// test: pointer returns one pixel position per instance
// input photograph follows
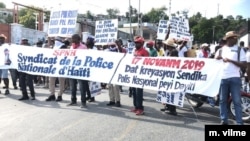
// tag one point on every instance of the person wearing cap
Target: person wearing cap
(137, 93)
(26, 79)
(172, 52)
(152, 51)
(231, 79)
(114, 90)
(83, 84)
(4, 72)
(52, 80)
(204, 51)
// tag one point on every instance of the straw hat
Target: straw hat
(3, 36)
(170, 42)
(230, 34)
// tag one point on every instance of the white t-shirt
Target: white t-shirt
(182, 51)
(248, 56)
(229, 69)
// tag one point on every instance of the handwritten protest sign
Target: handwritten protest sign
(162, 30)
(130, 48)
(192, 75)
(179, 28)
(62, 22)
(106, 31)
(171, 98)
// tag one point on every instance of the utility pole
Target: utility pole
(139, 31)
(213, 33)
(130, 26)
(40, 14)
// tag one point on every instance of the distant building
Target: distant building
(244, 33)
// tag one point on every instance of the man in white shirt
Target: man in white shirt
(231, 81)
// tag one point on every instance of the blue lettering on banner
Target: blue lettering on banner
(64, 14)
(39, 58)
(36, 69)
(144, 82)
(55, 14)
(71, 30)
(63, 30)
(72, 13)
(53, 22)
(123, 78)
(131, 69)
(98, 63)
(181, 86)
(65, 61)
(166, 84)
(54, 30)
(172, 98)
(81, 72)
(62, 22)
(71, 22)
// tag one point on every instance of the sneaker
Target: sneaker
(134, 110)
(15, 87)
(59, 98)
(111, 103)
(139, 112)
(7, 92)
(223, 123)
(51, 98)
(83, 105)
(72, 104)
(33, 98)
(92, 99)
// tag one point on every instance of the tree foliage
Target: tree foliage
(113, 13)
(2, 5)
(155, 15)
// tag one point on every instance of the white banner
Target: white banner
(106, 31)
(169, 74)
(162, 30)
(179, 28)
(62, 22)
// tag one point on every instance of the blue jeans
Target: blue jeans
(138, 98)
(231, 86)
(83, 84)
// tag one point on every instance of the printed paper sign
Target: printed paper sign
(162, 30)
(176, 99)
(62, 22)
(95, 88)
(106, 32)
(179, 28)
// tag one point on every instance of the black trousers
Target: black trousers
(24, 80)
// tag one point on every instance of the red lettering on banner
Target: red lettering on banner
(193, 65)
(172, 63)
(64, 52)
(136, 60)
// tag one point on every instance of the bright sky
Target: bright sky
(208, 8)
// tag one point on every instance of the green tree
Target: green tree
(113, 13)
(9, 19)
(27, 18)
(2, 5)
(89, 15)
(155, 15)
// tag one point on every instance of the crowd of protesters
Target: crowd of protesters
(169, 47)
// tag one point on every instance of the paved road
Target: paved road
(51, 121)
